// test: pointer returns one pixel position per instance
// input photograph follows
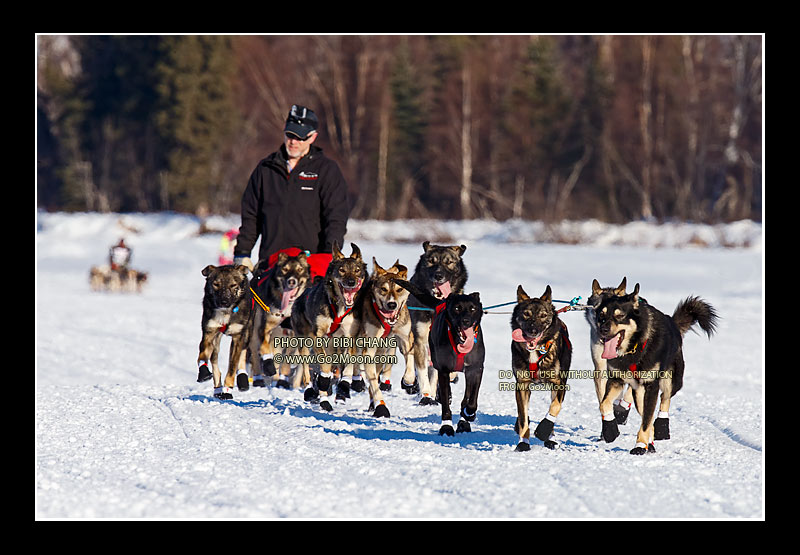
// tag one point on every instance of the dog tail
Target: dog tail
(694, 310)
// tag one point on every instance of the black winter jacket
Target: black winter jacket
(307, 208)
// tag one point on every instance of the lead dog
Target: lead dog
(541, 354)
(226, 310)
(644, 348)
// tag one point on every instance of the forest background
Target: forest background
(617, 128)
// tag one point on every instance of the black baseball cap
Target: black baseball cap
(301, 122)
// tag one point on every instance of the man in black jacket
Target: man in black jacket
(296, 196)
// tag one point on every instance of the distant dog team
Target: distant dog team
(637, 351)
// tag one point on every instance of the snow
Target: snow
(123, 431)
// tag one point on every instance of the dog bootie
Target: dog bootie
(610, 429)
(203, 373)
(621, 411)
(661, 426)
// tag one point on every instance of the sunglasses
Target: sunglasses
(296, 138)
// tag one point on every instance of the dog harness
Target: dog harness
(337, 320)
(459, 367)
(633, 366)
(387, 328)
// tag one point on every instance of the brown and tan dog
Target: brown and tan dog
(226, 310)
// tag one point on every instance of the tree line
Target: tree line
(613, 127)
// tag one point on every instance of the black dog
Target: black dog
(456, 345)
(227, 308)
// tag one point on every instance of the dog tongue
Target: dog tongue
(517, 336)
(469, 342)
(287, 299)
(610, 347)
(444, 289)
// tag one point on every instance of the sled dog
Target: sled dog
(456, 345)
(226, 309)
(275, 290)
(326, 310)
(622, 405)
(541, 354)
(383, 315)
(643, 347)
(440, 271)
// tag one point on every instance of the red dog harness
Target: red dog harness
(387, 328)
(459, 367)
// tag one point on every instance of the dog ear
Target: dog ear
(462, 249)
(548, 295)
(282, 257)
(476, 295)
(402, 271)
(596, 289)
(635, 295)
(355, 252)
(426, 246)
(303, 257)
(521, 294)
(377, 267)
(336, 252)
(620, 290)
(208, 269)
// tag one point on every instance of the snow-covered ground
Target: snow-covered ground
(122, 429)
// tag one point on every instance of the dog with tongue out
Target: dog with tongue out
(456, 345)
(440, 272)
(541, 354)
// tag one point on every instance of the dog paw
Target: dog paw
(446, 430)
(242, 382)
(342, 391)
(468, 417)
(385, 386)
(410, 389)
(610, 430)
(326, 405)
(426, 400)
(661, 428)
(381, 411)
(283, 384)
(223, 395)
(203, 373)
(522, 446)
(651, 448)
(310, 394)
(268, 367)
(638, 451)
(550, 444)
(357, 386)
(621, 414)
(259, 381)
(544, 430)
(463, 426)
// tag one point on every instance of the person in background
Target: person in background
(226, 246)
(119, 256)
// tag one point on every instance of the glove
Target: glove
(243, 261)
